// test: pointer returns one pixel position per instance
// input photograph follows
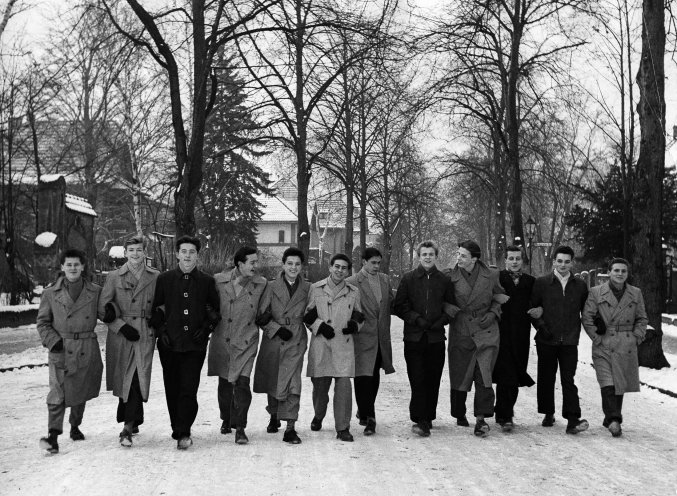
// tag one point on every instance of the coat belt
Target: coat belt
(78, 335)
(621, 328)
(290, 321)
(141, 314)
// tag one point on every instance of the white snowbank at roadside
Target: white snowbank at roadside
(19, 308)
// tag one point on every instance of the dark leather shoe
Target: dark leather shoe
(316, 424)
(548, 420)
(421, 429)
(126, 438)
(291, 437)
(462, 421)
(225, 427)
(370, 429)
(506, 425)
(240, 436)
(50, 443)
(76, 434)
(481, 428)
(344, 435)
(273, 425)
(575, 426)
(615, 428)
(363, 421)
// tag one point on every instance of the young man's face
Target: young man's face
(562, 264)
(249, 266)
(72, 267)
(339, 271)
(372, 265)
(135, 254)
(427, 257)
(513, 261)
(187, 256)
(292, 267)
(619, 273)
(465, 259)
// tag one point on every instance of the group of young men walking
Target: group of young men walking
(192, 315)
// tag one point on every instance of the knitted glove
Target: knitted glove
(263, 319)
(326, 330)
(157, 319)
(283, 333)
(58, 346)
(110, 314)
(598, 321)
(129, 332)
(310, 317)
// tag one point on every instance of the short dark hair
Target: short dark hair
(341, 256)
(472, 247)
(185, 239)
(292, 251)
(73, 253)
(427, 244)
(512, 248)
(618, 260)
(564, 250)
(370, 253)
(135, 240)
(242, 254)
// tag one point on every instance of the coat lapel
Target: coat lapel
(85, 297)
(365, 289)
(144, 281)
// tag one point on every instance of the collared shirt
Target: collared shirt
(374, 284)
(562, 279)
(515, 276)
(335, 288)
(291, 287)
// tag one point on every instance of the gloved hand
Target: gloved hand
(488, 319)
(441, 322)
(264, 318)
(157, 319)
(357, 316)
(284, 334)
(129, 332)
(422, 323)
(351, 327)
(310, 317)
(201, 334)
(110, 314)
(598, 321)
(58, 346)
(163, 337)
(326, 330)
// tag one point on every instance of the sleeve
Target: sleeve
(358, 307)
(641, 320)
(108, 295)
(159, 296)
(402, 303)
(584, 296)
(213, 297)
(536, 300)
(48, 335)
(265, 305)
(496, 289)
(311, 304)
(587, 317)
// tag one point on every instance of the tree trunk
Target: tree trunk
(647, 204)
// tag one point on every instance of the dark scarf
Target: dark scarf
(515, 276)
(618, 292)
(74, 288)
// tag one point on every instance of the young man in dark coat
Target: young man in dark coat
(419, 302)
(510, 371)
(185, 312)
(561, 296)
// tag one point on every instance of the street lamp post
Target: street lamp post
(530, 227)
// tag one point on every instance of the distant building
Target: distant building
(277, 228)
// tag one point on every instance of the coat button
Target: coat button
(227, 340)
(185, 328)
(230, 320)
(185, 312)
(329, 321)
(232, 301)
(185, 295)
(133, 300)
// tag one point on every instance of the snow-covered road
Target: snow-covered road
(530, 460)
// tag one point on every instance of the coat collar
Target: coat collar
(279, 287)
(324, 286)
(226, 278)
(420, 271)
(86, 296)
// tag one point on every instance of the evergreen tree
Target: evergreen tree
(599, 225)
(229, 210)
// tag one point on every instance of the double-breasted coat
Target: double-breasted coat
(133, 300)
(332, 357)
(468, 342)
(515, 331)
(614, 353)
(375, 331)
(234, 343)
(74, 373)
(280, 363)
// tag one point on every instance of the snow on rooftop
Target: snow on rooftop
(116, 252)
(50, 178)
(78, 204)
(45, 239)
(276, 209)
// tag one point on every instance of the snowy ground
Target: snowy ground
(531, 460)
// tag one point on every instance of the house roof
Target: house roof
(276, 209)
(80, 205)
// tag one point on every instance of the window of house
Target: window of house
(280, 236)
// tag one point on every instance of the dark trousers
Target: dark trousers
(181, 375)
(285, 410)
(483, 404)
(132, 409)
(612, 405)
(366, 389)
(506, 397)
(56, 414)
(549, 357)
(343, 399)
(234, 401)
(425, 362)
